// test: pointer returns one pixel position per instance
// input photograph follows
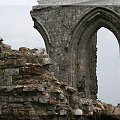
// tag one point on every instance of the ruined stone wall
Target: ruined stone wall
(68, 35)
(29, 91)
(80, 2)
(59, 23)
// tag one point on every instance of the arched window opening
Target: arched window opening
(108, 67)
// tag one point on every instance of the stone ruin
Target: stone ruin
(29, 91)
(69, 29)
(78, 2)
(63, 84)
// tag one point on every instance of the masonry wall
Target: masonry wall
(30, 91)
(59, 24)
(80, 2)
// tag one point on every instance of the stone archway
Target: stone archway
(42, 30)
(83, 47)
(70, 36)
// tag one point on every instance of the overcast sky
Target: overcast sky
(16, 25)
(16, 28)
(108, 70)
(18, 2)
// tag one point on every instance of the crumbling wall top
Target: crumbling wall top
(79, 2)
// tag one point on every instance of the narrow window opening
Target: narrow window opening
(108, 67)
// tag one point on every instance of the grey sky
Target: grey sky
(16, 28)
(108, 70)
(18, 2)
(16, 25)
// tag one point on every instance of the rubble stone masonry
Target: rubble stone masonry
(69, 32)
(29, 91)
(60, 84)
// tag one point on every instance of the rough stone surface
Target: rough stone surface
(80, 2)
(28, 88)
(29, 91)
(69, 32)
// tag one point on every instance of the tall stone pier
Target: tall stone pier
(69, 29)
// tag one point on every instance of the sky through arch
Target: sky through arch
(108, 67)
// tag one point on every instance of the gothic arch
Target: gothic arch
(83, 46)
(39, 26)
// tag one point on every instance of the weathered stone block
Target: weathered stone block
(21, 62)
(31, 70)
(10, 62)
(2, 81)
(13, 71)
(1, 72)
(2, 62)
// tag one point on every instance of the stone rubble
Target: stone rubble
(28, 89)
